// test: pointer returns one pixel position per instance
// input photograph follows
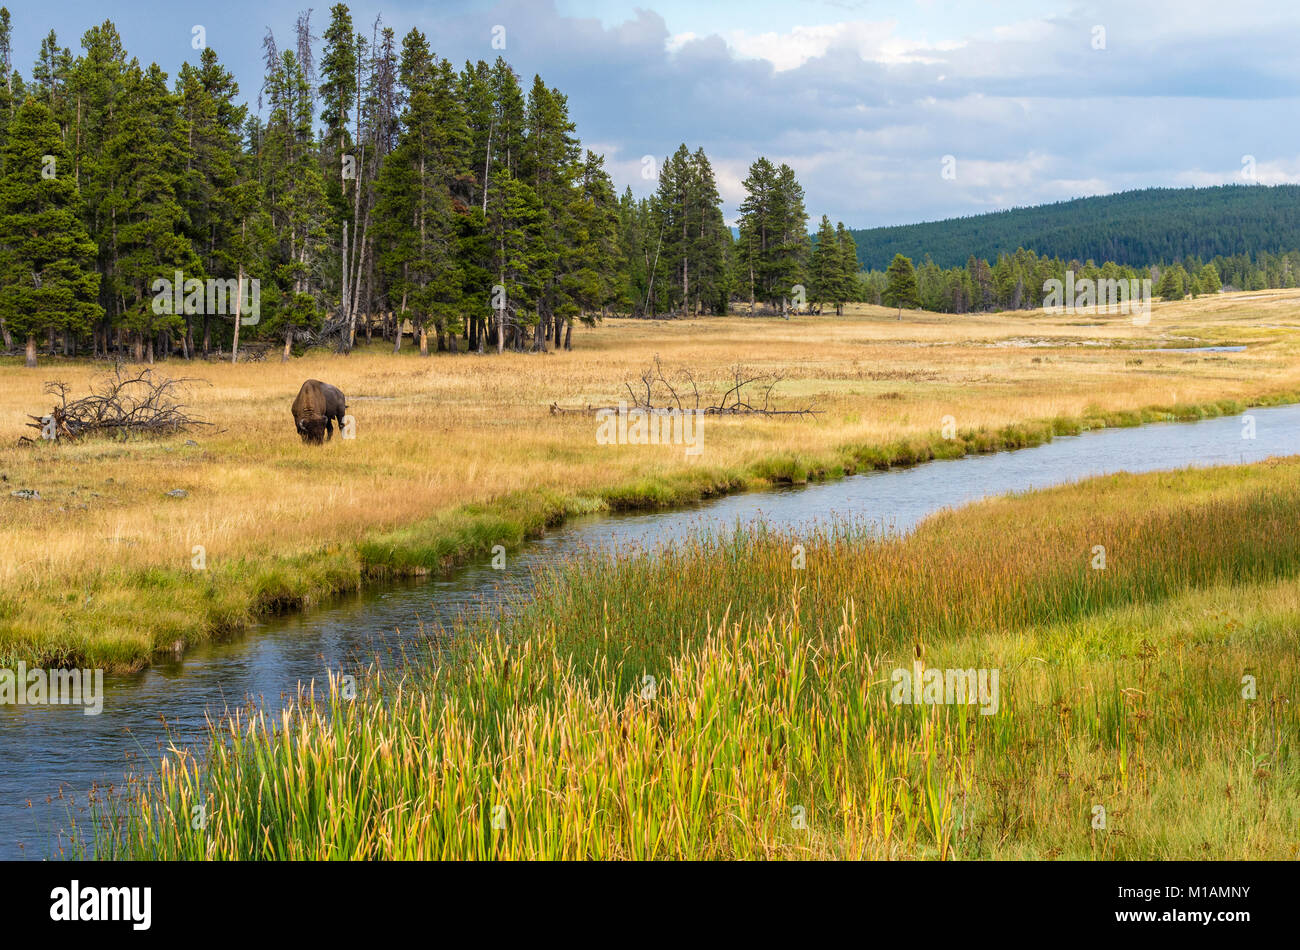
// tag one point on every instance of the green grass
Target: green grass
(769, 732)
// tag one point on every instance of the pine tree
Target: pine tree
(551, 165)
(981, 281)
(757, 235)
(691, 234)
(1209, 280)
(774, 244)
(416, 205)
(213, 176)
(824, 269)
(295, 192)
(508, 143)
(846, 284)
(145, 161)
(476, 92)
(634, 252)
(338, 90)
(515, 226)
(9, 96)
(791, 226)
(900, 287)
(50, 76)
(590, 282)
(711, 238)
(47, 281)
(474, 95)
(248, 249)
(504, 150)
(95, 86)
(1172, 284)
(1004, 281)
(673, 214)
(377, 128)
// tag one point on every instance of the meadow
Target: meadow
(457, 453)
(721, 701)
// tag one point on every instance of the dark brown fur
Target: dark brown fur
(318, 405)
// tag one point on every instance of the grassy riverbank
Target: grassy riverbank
(768, 729)
(457, 453)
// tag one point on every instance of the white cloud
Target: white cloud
(1276, 172)
(873, 41)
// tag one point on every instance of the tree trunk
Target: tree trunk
(568, 334)
(343, 294)
(31, 351)
(288, 346)
(6, 335)
(424, 340)
(397, 325)
(239, 300)
(686, 279)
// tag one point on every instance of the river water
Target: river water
(51, 756)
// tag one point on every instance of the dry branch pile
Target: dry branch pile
(655, 387)
(120, 403)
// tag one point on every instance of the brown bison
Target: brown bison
(317, 406)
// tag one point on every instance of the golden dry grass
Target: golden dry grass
(438, 434)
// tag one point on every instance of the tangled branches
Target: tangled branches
(654, 387)
(120, 403)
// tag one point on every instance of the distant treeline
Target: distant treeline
(1137, 228)
(1016, 281)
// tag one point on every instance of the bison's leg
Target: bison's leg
(329, 429)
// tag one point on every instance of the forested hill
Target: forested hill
(1137, 228)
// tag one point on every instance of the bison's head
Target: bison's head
(312, 429)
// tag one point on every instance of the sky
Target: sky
(889, 111)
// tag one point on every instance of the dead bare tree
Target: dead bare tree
(656, 392)
(118, 403)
